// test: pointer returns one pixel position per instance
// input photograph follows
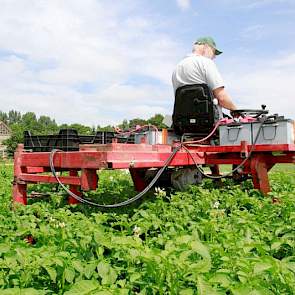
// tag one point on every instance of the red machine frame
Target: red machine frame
(29, 167)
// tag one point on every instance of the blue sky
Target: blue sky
(99, 62)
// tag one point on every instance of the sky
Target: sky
(97, 62)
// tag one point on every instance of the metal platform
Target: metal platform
(82, 165)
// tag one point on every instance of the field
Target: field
(207, 240)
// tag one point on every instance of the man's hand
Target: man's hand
(234, 114)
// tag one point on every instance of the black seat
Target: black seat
(194, 111)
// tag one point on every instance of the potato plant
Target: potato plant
(206, 240)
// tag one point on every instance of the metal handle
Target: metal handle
(234, 127)
(270, 125)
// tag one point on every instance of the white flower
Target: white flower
(61, 224)
(160, 192)
(216, 205)
(51, 219)
(136, 231)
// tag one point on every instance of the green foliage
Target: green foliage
(16, 137)
(28, 121)
(81, 129)
(201, 241)
(156, 120)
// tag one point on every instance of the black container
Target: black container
(69, 140)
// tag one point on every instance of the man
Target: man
(199, 68)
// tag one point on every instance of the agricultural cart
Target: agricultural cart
(252, 142)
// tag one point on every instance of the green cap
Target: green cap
(209, 41)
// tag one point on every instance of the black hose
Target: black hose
(117, 205)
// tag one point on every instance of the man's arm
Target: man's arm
(224, 99)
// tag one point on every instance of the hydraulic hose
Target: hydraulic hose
(117, 205)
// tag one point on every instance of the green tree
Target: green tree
(107, 128)
(46, 125)
(137, 121)
(14, 117)
(17, 135)
(3, 117)
(156, 120)
(81, 129)
(124, 125)
(29, 122)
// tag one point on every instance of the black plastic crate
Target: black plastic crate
(69, 140)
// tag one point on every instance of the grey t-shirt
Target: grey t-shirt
(196, 69)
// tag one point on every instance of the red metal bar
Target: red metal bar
(19, 187)
(33, 178)
(69, 160)
(19, 193)
(89, 179)
(138, 178)
(36, 169)
(259, 174)
(74, 188)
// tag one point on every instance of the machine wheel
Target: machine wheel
(183, 177)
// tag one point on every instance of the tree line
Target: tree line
(44, 125)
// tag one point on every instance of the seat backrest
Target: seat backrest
(194, 111)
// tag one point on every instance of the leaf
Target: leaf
(242, 276)
(201, 266)
(260, 267)
(246, 290)
(102, 239)
(52, 272)
(183, 239)
(222, 279)
(107, 273)
(89, 270)
(77, 264)
(201, 249)
(184, 255)
(242, 290)
(69, 274)
(4, 248)
(126, 241)
(83, 287)
(291, 266)
(58, 261)
(134, 277)
(275, 245)
(204, 288)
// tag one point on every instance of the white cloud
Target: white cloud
(48, 49)
(253, 4)
(183, 4)
(264, 82)
(254, 32)
(84, 62)
(259, 3)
